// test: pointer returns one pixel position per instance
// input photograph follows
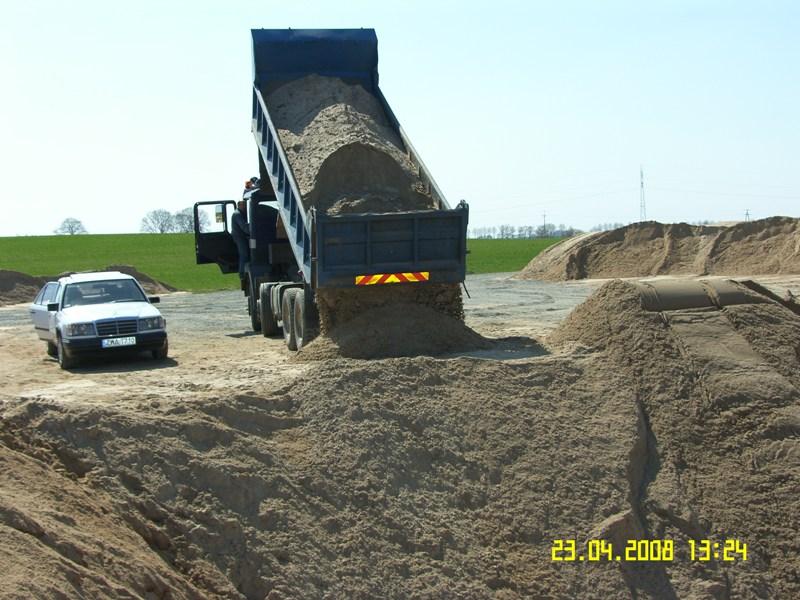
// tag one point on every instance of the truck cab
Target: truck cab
(270, 256)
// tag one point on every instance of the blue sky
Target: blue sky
(110, 109)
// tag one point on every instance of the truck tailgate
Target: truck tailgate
(429, 242)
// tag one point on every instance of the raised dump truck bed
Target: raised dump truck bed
(348, 245)
(308, 250)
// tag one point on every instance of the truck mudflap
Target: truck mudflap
(409, 247)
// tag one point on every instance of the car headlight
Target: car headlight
(79, 329)
(152, 323)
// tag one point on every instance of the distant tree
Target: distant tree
(183, 220)
(607, 226)
(546, 231)
(70, 226)
(158, 221)
(506, 231)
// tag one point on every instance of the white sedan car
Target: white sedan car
(97, 313)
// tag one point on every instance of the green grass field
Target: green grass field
(170, 257)
(498, 256)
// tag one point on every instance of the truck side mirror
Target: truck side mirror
(154, 299)
(52, 307)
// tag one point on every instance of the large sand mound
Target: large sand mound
(765, 247)
(428, 478)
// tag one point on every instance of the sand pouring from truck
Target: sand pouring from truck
(345, 216)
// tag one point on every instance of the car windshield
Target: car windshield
(102, 292)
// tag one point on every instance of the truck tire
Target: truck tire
(269, 325)
(305, 322)
(65, 359)
(52, 350)
(287, 316)
(252, 308)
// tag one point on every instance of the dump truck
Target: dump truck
(298, 253)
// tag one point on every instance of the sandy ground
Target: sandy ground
(234, 471)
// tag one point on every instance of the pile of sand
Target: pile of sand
(719, 394)
(393, 330)
(765, 247)
(17, 288)
(421, 477)
(344, 154)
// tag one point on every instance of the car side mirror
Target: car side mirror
(52, 307)
(154, 299)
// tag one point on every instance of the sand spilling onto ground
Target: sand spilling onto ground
(18, 288)
(393, 330)
(427, 478)
(344, 154)
(764, 247)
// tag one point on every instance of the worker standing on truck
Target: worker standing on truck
(240, 230)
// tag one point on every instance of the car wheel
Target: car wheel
(287, 318)
(65, 358)
(162, 352)
(269, 326)
(52, 350)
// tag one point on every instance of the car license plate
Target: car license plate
(117, 342)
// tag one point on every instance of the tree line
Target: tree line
(182, 221)
(507, 232)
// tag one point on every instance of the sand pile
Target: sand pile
(427, 478)
(719, 392)
(393, 330)
(344, 154)
(16, 287)
(637, 250)
(765, 247)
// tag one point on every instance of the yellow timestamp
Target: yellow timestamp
(566, 550)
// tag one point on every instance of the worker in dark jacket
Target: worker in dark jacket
(240, 230)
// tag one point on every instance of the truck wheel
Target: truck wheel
(52, 350)
(269, 326)
(65, 359)
(305, 326)
(287, 316)
(252, 308)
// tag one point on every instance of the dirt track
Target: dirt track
(233, 471)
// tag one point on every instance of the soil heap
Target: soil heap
(426, 478)
(394, 330)
(765, 247)
(16, 287)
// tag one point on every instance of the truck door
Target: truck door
(213, 242)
